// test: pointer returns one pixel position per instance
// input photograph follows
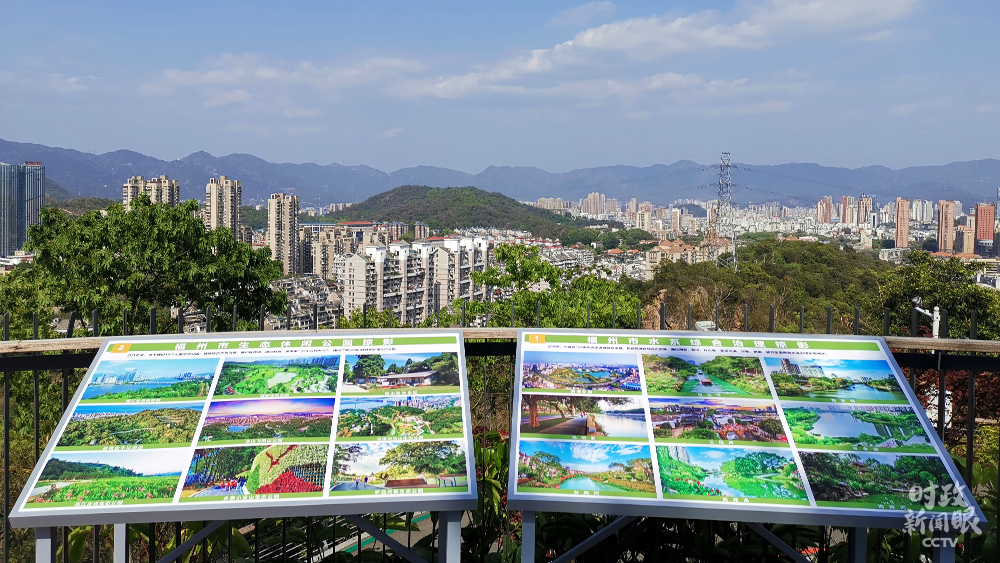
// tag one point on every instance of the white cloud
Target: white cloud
(877, 36)
(582, 15)
(392, 132)
(593, 453)
(291, 112)
(226, 98)
(69, 84)
(652, 38)
(915, 107)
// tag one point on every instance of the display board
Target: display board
(778, 428)
(169, 428)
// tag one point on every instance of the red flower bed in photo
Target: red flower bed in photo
(287, 483)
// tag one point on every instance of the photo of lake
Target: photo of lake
(827, 379)
(597, 468)
(583, 417)
(856, 427)
(757, 474)
(581, 372)
(165, 380)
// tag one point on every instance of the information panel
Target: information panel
(169, 428)
(755, 427)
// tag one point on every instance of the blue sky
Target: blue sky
(585, 358)
(586, 456)
(851, 369)
(558, 85)
(160, 369)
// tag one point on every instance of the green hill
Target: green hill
(454, 208)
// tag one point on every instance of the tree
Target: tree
(520, 267)
(152, 256)
(369, 366)
(435, 458)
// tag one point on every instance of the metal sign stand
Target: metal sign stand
(857, 540)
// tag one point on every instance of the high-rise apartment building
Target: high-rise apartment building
(985, 216)
(223, 201)
(864, 209)
(595, 204)
(159, 190)
(644, 221)
(22, 192)
(824, 209)
(283, 232)
(902, 223)
(946, 226)
(846, 202)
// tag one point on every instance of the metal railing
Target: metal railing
(40, 375)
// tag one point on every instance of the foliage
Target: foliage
(253, 217)
(79, 205)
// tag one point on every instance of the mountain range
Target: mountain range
(101, 175)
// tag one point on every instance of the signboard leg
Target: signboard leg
(450, 541)
(527, 537)
(857, 539)
(944, 548)
(45, 545)
(121, 543)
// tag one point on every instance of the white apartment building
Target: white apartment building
(283, 232)
(223, 198)
(159, 190)
(413, 280)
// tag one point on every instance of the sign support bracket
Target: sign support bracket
(784, 547)
(386, 539)
(528, 534)
(45, 545)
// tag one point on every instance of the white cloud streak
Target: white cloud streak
(582, 15)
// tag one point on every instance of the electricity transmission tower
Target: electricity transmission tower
(725, 218)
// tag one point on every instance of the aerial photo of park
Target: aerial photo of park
(874, 480)
(368, 468)
(404, 416)
(382, 374)
(297, 375)
(583, 416)
(286, 470)
(236, 422)
(715, 420)
(129, 477)
(713, 473)
(581, 372)
(587, 468)
(119, 381)
(704, 374)
(94, 427)
(846, 426)
(823, 379)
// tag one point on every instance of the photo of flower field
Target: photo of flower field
(707, 420)
(146, 425)
(609, 372)
(583, 416)
(249, 470)
(822, 379)
(127, 476)
(415, 373)
(846, 426)
(873, 480)
(757, 474)
(292, 375)
(369, 467)
(118, 381)
(591, 468)
(231, 422)
(704, 374)
(431, 416)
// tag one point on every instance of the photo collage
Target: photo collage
(823, 429)
(272, 425)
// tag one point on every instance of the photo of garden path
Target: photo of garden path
(296, 375)
(583, 416)
(589, 468)
(146, 425)
(757, 474)
(305, 419)
(370, 467)
(856, 427)
(875, 480)
(708, 420)
(127, 476)
(379, 374)
(119, 381)
(703, 374)
(429, 416)
(581, 372)
(288, 470)
(824, 379)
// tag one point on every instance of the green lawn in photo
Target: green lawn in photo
(610, 469)
(852, 427)
(428, 465)
(131, 476)
(699, 374)
(300, 375)
(729, 472)
(426, 416)
(95, 427)
(872, 480)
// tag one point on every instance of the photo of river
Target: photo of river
(570, 467)
(827, 379)
(176, 379)
(856, 427)
(738, 473)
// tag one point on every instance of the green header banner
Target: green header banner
(704, 342)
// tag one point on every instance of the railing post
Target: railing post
(95, 323)
(180, 319)
(663, 316)
(125, 322)
(970, 429)
(588, 312)
(913, 322)
(829, 320)
(717, 317)
(463, 313)
(614, 314)
(315, 319)
(364, 315)
(690, 316)
(152, 320)
(974, 326)
(746, 317)
(564, 314)
(857, 321)
(538, 314)
(802, 319)
(638, 316)
(942, 393)
(208, 318)
(236, 317)
(770, 319)
(262, 317)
